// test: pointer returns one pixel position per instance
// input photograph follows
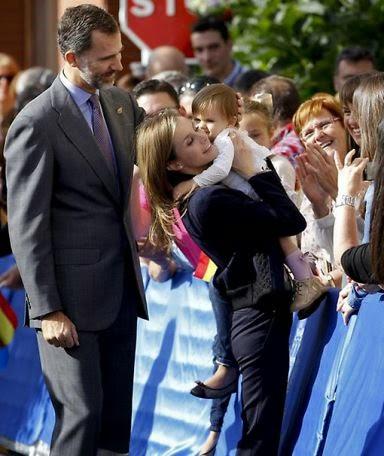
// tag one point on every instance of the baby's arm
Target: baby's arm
(221, 165)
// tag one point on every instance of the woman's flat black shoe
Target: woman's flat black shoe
(205, 392)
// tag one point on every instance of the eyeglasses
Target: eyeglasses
(7, 77)
(323, 125)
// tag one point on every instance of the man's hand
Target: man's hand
(58, 330)
(240, 106)
(11, 278)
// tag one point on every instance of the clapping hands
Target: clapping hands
(350, 174)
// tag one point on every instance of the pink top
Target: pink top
(182, 238)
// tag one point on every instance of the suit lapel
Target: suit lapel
(119, 123)
(75, 127)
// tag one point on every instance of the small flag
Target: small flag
(205, 268)
(8, 322)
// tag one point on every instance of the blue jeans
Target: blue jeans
(222, 351)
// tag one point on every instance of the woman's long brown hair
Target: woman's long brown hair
(377, 221)
(154, 151)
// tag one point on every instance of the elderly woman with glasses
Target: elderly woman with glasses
(319, 123)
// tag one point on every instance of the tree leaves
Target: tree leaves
(301, 38)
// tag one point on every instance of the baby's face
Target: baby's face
(257, 128)
(211, 121)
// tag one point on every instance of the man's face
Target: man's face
(100, 64)
(212, 53)
(154, 102)
(347, 68)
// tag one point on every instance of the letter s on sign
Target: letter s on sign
(143, 8)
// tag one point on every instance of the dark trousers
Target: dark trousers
(91, 387)
(222, 310)
(260, 344)
(222, 351)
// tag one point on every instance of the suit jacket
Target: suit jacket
(69, 224)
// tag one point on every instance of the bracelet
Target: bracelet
(346, 200)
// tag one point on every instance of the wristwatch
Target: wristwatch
(331, 281)
(346, 200)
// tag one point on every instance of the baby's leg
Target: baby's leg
(294, 258)
(309, 289)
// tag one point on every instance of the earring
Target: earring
(179, 165)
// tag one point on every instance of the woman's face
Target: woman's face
(327, 131)
(193, 149)
(350, 123)
(257, 128)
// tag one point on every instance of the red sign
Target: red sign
(153, 23)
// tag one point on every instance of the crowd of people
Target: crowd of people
(284, 197)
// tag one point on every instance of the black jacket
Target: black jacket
(225, 222)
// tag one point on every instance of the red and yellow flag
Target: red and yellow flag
(8, 322)
(205, 268)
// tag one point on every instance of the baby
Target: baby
(215, 111)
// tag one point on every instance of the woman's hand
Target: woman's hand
(183, 189)
(161, 272)
(244, 161)
(311, 187)
(342, 304)
(350, 177)
(323, 165)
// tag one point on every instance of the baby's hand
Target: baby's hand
(183, 189)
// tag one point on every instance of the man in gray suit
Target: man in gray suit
(69, 170)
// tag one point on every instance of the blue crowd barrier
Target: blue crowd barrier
(335, 380)
(357, 423)
(310, 396)
(25, 408)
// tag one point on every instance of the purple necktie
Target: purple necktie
(100, 132)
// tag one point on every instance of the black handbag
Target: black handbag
(254, 278)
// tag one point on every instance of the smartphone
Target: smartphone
(369, 172)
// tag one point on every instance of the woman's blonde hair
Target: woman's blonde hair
(368, 102)
(313, 107)
(255, 107)
(154, 145)
(217, 96)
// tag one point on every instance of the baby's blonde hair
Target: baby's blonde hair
(219, 97)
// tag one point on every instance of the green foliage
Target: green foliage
(300, 39)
